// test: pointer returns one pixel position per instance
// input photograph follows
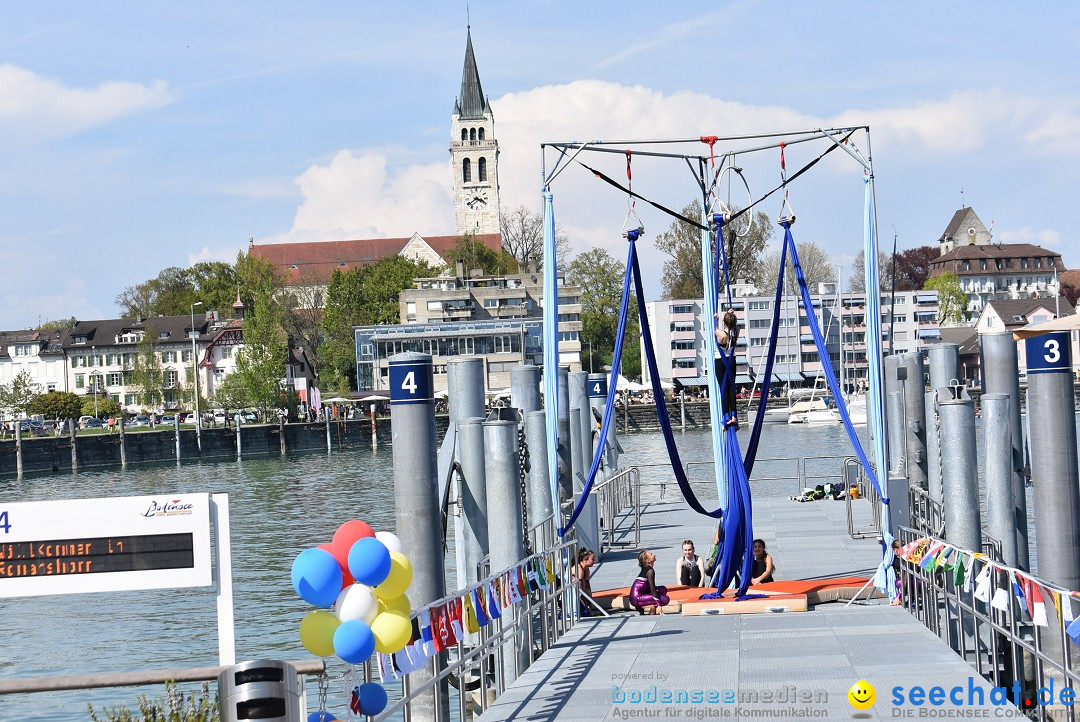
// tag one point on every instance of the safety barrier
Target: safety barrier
(1003, 643)
(622, 490)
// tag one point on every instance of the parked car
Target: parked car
(92, 423)
(169, 419)
(83, 420)
(248, 417)
(140, 420)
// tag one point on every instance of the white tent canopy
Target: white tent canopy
(625, 384)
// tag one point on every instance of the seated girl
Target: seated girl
(646, 597)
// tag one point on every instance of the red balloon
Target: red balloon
(343, 562)
(348, 533)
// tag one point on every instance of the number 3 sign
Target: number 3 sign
(1049, 353)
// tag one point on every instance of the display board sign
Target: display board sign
(411, 382)
(1049, 353)
(105, 545)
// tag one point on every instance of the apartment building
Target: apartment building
(38, 353)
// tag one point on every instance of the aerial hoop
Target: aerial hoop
(738, 226)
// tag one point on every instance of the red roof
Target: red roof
(314, 262)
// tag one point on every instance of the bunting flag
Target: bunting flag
(943, 558)
(1073, 630)
(472, 625)
(982, 584)
(427, 636)
(530, 578)
(1018, 591)
(494, 611)
(970, 574)
(958, 570)
(1000, 600)
(550, 571)
(931, 555)
(1028, 594)
(442, 629)
(1038, 614)
(908, 549)
(522, 585)
(387, 672)
(541, 574)
(512, 589)
(454, 610)
(478, 605)
(1066, 608)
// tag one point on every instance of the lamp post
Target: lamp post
(95, 377)
(195, 375)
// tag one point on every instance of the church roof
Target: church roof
(954, 225)
(314, 262)
(471, 103)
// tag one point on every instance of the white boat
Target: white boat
(821, 417)
(772, 416)
(802, 412)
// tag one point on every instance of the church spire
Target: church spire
(471, 104)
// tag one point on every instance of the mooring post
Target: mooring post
(18, 448)
(525, 388)
(326, 420)
(416, 497)
(1000, 373)
(70, 424)
(959, 473)
(913, 389)
(176, 430)
(897, 448)
(281, 433)
(1051, 415)
(566, 484)
(473, 496)
(997, 470)
(944, 364)
(123, 442)
(933, 446)
(238, 419)
(465, 388)
(539, 491)
(505, 535)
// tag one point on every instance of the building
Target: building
(40, 354)
(679, 328)
(502, 344)
(1010, 315)
(991, 271)
(474, 159)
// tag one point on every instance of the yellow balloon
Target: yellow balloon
(399, 579)
(397, 604)
(392, 632)
(317, 632)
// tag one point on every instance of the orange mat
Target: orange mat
(816, 591)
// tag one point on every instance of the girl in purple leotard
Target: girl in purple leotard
(644, 594)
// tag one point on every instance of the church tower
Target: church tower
(474, 154)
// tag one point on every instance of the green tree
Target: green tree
(817, 268)
(260, 363)
(56, 405)
(16, 396)
(952, 301)
(231, 394)
(522, 234)
(147, 374)
(474, 254)
(174, 289)
(106, 407)
(302, 319)
(681, 277)
(600, 277)
(60, 324)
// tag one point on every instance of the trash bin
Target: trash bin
(259, 690)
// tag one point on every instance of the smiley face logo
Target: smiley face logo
(862, 695)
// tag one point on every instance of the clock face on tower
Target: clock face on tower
(478, 200)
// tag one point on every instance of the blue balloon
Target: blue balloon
(372, 698)
(321, 716)
(316, 577)
(369, 561)
(354, 642)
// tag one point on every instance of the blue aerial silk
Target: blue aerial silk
(551, 351)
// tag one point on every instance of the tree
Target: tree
(302, 319)
(16, 396)
(472, 251)
(103, 406)
(60, 324)
(147, 374)
(1069, 291)
(523, 237)
(913, 267)
(260, 363)
(952, 301)
(600, 277)
(816, 265)
(682, 242)
(857, 282)
(56, 405)
(231, 394)
(174, 289)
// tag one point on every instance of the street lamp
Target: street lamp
(95, 378)
(195, 374)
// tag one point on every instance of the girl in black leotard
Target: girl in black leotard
(727, 336)
(763, 564)
(690, 568)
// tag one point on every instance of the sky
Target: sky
(140, 135)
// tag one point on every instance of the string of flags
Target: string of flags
(931, 554)
(441, 626)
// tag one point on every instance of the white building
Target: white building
(38, 353)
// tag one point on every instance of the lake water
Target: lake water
(278, 508)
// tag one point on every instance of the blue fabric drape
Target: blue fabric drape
(551, 350)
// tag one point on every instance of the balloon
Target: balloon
(317, 632)
(346, 578)
(316, 577)
(399, 578)
(392, 631)
(396, 604)
(391, 541)
(372, 698)
(354, 641)
(369, 562)
(348, 533)
(323, 716)
(357, 602)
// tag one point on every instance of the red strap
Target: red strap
(711, 140)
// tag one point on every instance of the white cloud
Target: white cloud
(33, 107)
(357, 196)
(1030, 235)
(225, 253)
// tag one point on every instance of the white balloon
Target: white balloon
(357, 601)
(390, 541)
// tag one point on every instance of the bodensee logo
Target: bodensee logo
(167, 508)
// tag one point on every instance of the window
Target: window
(168, 357)
(760, 322)
(682, 326)
(410, 308)
(758, 341)
(568, 335)
(681, 308)
(163, 335)
(171, 377)
(760, 305)
(809, 357)
(982, 265)
(226, 352)
(464, 134)
(481, 170)
(80, 381)
(472, 133)
(80, 340)
(491, 303)
(50, 388)
(967, 265)
(682, 345)
(130, 399)
(185, 356)
(683, 363)
(434, 305)
(466, 171)
(480, 134)
(116, 379)
(24, 349)
(128, 338)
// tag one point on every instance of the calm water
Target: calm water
(278, 508)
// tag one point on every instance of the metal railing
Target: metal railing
(620, 491)
(1005, 646)
(927, 515)
(467, 682)
(854, 474)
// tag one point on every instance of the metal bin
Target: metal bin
(259, 690)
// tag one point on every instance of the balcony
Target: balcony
(683, 353)
(516, 310)
(683, 335)
(682, 317)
